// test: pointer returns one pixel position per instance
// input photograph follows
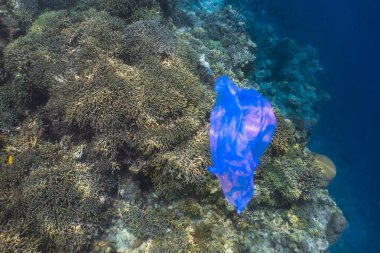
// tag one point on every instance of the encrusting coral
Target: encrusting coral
(328, 168)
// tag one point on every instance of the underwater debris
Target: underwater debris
(108, 112)
(242, 124)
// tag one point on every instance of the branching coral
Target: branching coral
(28, 68)
(24, 10)
(146, 222)
(126, 8)
(285, 180)
(153, 107)
(60, 201)
(48, 195)
(286, 138)
(11, 240)
(184, 168)
(124, 104)
(146, 38)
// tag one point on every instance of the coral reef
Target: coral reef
(126, 8)
(47, 193)
(285, 180)
(298, 228)
(11, 240)
(184, 169)
(59, 201)
(227, 48)
(104, 132)
(24, 10)
(146, 38)
(287, 72)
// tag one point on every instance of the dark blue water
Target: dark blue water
(347, 36)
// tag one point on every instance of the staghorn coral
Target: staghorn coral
(11, 240)
(146, 38)
(25, 11)
(128, 108)
(25, 155)
(184, 168)
(172, 243)
(56, 4)
(27, 80)
(285, 138)
(48, 196)
(126, 8)
(144, 223)
(62, 203)
(286, 180)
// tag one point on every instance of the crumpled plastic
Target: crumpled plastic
(242, 124)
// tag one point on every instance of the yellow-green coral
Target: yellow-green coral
(145, 222)
(49, 194)
(151, 106)
(126, 8)
(60, 201)
(146, 38)
(285, 180)
(184, 167)
(15, 239)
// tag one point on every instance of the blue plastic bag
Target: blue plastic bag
(242, 124)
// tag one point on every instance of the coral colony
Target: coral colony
(242, 124)
(105, 134)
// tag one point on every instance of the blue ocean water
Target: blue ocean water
(347, 36)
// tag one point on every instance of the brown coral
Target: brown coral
(184, 167)
(62, 202)
(328, 169)
(146, 38)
